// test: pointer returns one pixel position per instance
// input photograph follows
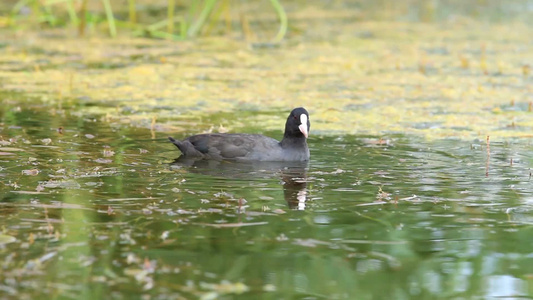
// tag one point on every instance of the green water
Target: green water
(95, 210)
(404, 196)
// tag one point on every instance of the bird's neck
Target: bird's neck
(293, 142)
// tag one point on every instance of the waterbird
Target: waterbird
(252, 147)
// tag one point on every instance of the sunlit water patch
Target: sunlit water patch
(99, 209)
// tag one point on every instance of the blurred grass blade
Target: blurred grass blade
(155, 30)
(170, 17)
(200, 21)
(83, 14)
(72, 13)
(283, 20)
(51, 19)
(132, 12)
(110, 18)
(200, 17)
(215, 17)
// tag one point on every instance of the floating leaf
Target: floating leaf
(6, 239)
(233, 225)
(29, 192)
(10, 149)
(269, 288)
(108, 152)
(67, 184)
(226, 287)
(103, 161)
(31, 172)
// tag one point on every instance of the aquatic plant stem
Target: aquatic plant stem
(152, 127)
(132, 12)
(214, 18)
(110, 18)
(487, 164)
(83, 21)
(72, 13)
(155, 30)
(170, 16)
(282, 19)
(204, 14)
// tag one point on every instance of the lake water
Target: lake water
(419, 184)
(93, 210)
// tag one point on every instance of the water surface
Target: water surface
(92, 209)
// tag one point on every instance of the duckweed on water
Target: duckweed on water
(350, 83)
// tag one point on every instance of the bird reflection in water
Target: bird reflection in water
(295, 186)
(293, 174)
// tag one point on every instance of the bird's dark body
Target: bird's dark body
(250, 147)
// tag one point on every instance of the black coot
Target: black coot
(252, 147)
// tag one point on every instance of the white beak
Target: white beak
(303, 126)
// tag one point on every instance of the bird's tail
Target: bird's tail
(177, 143)
(186, 147)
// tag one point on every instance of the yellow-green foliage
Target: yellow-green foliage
(457, 79)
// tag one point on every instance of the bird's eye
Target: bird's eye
(295, 117)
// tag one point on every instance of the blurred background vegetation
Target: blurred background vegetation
(257, 19)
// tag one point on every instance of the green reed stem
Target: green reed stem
(170, 16)
(132, 12)
(83, 21)
(282, 19)
(72, 13)
(110, 18)
(214, 18)
(155, 29)
(196, 26)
